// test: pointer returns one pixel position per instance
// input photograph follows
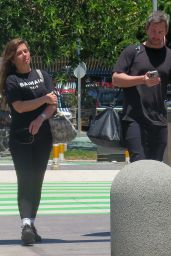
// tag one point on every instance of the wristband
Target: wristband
(43, 116)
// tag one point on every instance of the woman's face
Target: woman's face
(22, 57)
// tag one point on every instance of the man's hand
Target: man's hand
(151, 81)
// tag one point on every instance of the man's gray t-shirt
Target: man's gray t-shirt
(142, 102)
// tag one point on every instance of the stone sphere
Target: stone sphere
(140, 202)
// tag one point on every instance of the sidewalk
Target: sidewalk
(70, 235)
(70, 171)
(63, 235)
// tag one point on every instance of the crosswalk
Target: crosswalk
(62, 198)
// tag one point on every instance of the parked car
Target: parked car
(109, 96)
(95, 98)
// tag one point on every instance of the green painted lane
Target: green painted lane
(62, 198)
(58, 198)
(59, 203)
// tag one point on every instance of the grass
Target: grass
(80, 154)
(90, 154)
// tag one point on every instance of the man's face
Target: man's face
(156, 33)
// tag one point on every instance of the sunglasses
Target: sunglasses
(23, 136)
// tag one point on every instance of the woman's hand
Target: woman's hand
(51, 98)
(35, 125)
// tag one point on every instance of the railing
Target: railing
(94, 66)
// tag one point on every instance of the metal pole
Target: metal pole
(79, 106)
(79, 91)
(154, 5)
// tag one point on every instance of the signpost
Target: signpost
(79, 72)
(154, 5)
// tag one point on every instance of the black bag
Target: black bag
(105, 130)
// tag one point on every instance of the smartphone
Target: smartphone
(152, 74)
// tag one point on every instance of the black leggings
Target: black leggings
(145, 141)
(30, 161)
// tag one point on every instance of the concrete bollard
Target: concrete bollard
(61, 152)
(140, 215)
(65, 147)
(55, 161)
(127, 158)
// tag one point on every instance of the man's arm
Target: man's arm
(125, 81)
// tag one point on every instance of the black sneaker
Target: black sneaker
(27, 235)
(37, 236)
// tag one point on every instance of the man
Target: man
(144, 110)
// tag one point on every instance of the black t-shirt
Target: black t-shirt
(142, 102)
(23, 87)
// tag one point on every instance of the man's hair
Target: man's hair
(158, 17)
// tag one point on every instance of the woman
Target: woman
(31, 102)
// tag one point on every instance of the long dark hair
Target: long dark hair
(7, 67)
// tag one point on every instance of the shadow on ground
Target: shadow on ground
(61, 241)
